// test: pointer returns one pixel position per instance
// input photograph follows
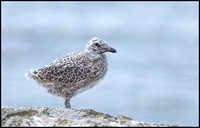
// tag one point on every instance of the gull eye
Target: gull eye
(96, 44)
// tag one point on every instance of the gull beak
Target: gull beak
(107, 49)
(112, 50)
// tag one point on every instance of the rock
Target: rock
(17, 116)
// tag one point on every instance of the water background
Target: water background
(153, 77)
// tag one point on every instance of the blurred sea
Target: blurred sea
(152, 78)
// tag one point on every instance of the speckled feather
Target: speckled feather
(74, 73)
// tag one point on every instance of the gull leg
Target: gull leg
(67, 103)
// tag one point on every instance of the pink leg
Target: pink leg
(67, 103)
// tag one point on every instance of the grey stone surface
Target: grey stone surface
(17, 116)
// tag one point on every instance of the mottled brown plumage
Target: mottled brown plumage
(74, 73)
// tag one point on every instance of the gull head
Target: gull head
(99, 46)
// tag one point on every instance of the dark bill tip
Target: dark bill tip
(113, 50)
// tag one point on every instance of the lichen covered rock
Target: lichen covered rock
(17, 116)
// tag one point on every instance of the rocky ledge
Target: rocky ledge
(17, 116)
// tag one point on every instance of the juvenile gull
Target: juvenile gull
(76, 72)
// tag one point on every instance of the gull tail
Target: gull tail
(31, 74)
